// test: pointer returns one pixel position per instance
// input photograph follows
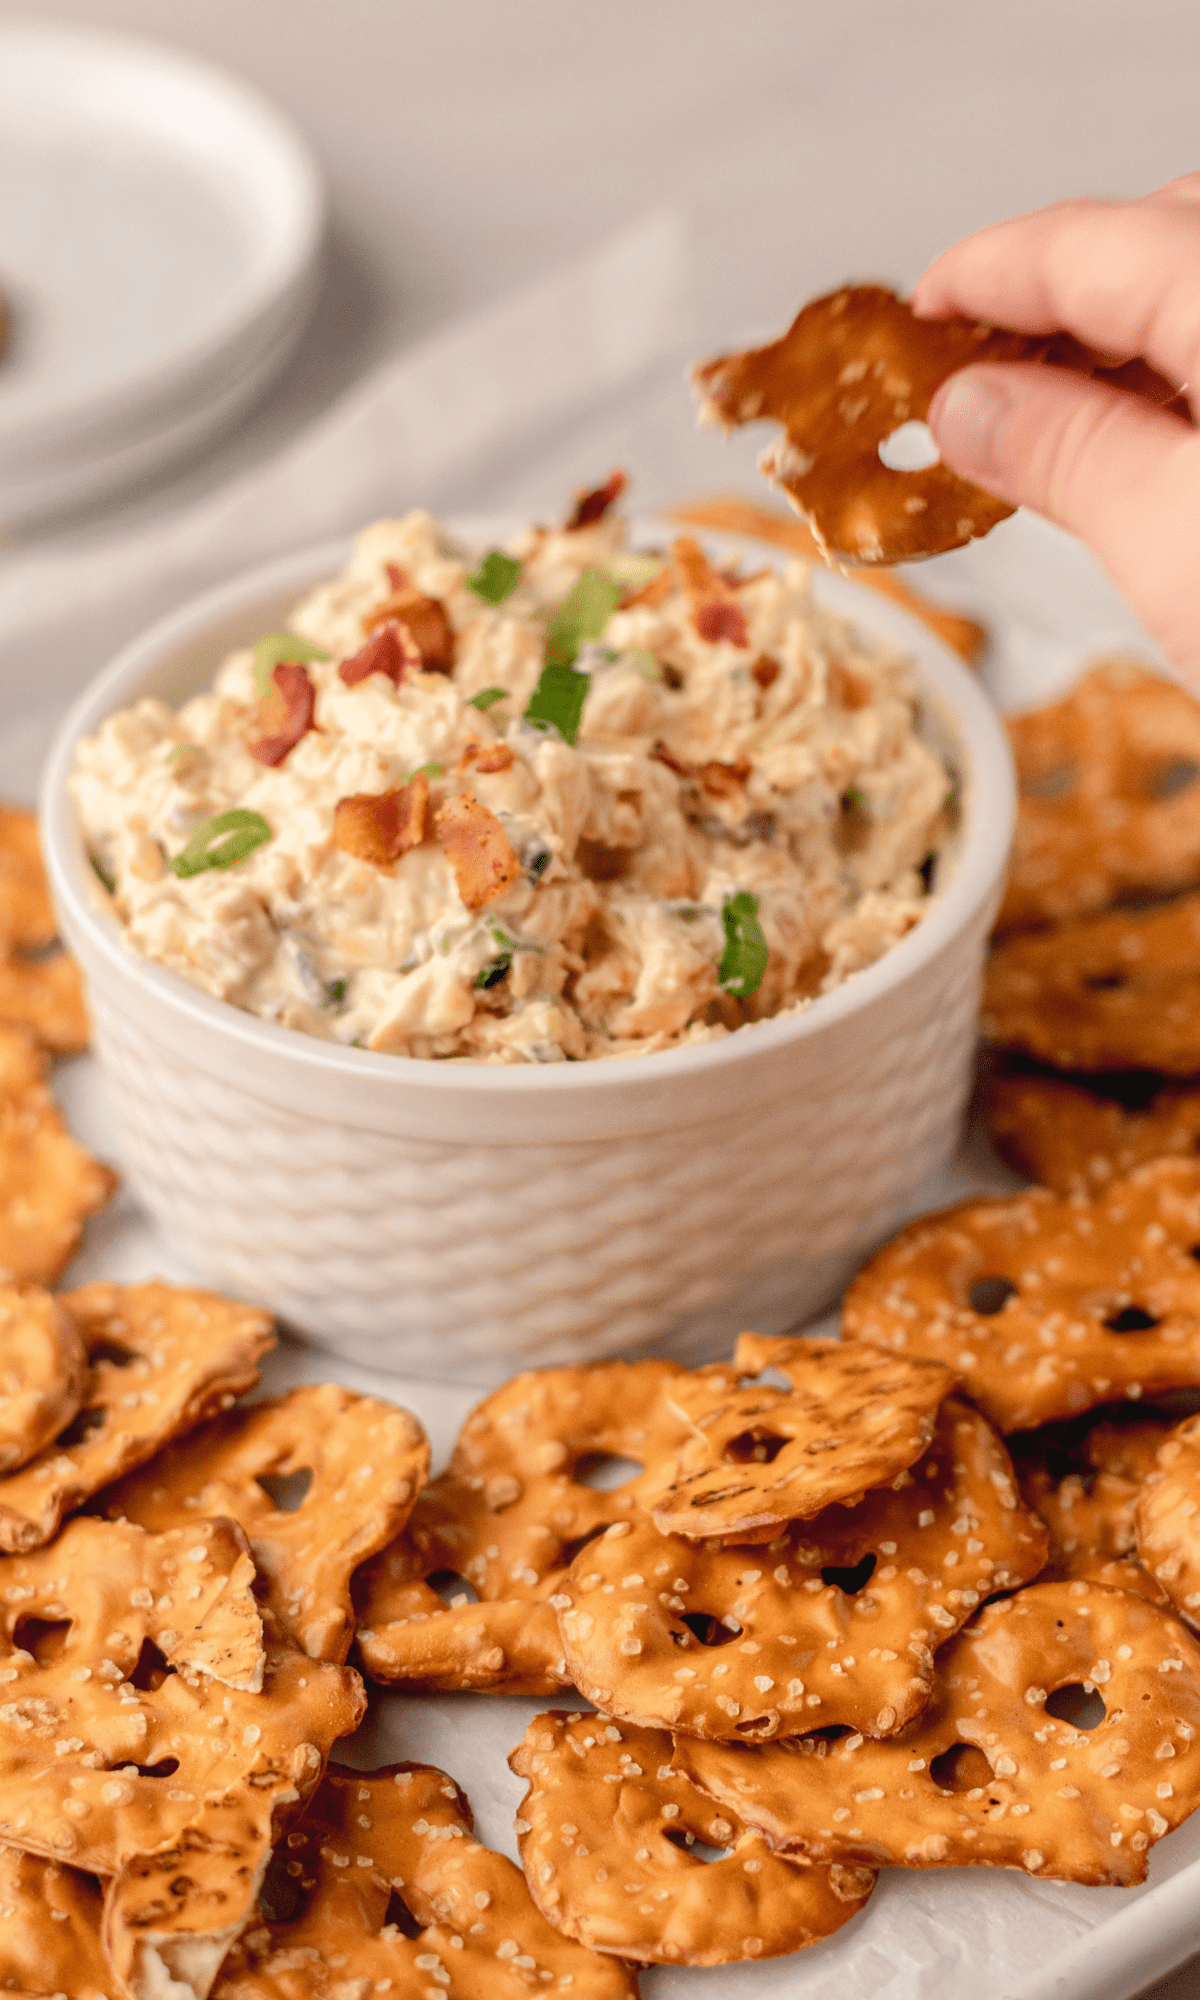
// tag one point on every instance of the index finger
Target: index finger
(1122, 276)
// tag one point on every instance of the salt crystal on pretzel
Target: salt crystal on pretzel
(1110, 803)
(606, 1833)
(398, 1843)
(852, 368)
(990, 1774)
(161, 1359)
(49, 1184)
(50, 1929)
(43, 1370)
(760, 1456)
(365, 1461)
(1076, 1139)
(139, 1684)
(1047, 1307)
(506, 1519)
(1118, 991)
(1167, 1514)
(835, 1621)
(1090, 1519)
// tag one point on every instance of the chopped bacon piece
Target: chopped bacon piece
(425, 623)
(722, 619)
(592, 507)
(486, 757)
(299, 698)
(766, 671)
(478, 850)
(672, 762)
(390, 652)
(724, 781)
(847, 688)
(396, 576)
(381, 826)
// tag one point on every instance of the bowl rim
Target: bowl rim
(989, 816)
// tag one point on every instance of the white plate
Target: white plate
(925, 1932)
(159, 231)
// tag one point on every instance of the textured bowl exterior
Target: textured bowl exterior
(460, 1221)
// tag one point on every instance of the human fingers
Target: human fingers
(1108, 467)
(1123, 277)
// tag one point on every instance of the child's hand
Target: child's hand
(1123, 277)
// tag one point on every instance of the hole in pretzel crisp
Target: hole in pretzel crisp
(700, 1850)
(571, 1549)
(990, 1295)
(1056, 784)
(708, 1630)
(605, 1471)
(1083, 1707)
(151, 1670)
(1171, 779)
(911, 447)
(452, 1588)
(166, 1767)
(282, 1897)
(1131, 1319)
(112, 1352)
(850, 1581)
(1104, 982)
(400, 1917)
(754, 1447)
(769, 1378)
(286, 1490)
(81, 1426)
(43, 1638)
(961, 1768)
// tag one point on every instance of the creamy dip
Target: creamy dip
(718, 806)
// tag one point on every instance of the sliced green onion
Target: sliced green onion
(336, 989)
(581, 616)
(220, 841)
(103, 874)
(557, 700)
(495, 970)
(496, 578)
(744, 959)
(274, 649)
(640, 660)
(426, 771)
(183, 751)
(631, 570)
(487, 698)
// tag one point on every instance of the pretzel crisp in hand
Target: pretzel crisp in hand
(366, 1461)
(1047, 1307)
(43, 1372)
(1076, 1139)
(1167, 1514)
(50, 1929)
(991, 1773)
(1110, 803)
(388, 1891)
(1118, 991)
(759, 1457)
(161, 1360)
(836, 1621)
(504, 1521)
(606, 1832)
(49, 1183)
(850, 370)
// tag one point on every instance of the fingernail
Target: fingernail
(965, 418)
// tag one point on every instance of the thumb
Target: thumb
(1108, 467)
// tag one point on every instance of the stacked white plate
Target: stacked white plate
(160, 233)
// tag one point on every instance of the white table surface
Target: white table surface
(470, 147)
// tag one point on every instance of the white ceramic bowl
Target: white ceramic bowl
(460, 1220)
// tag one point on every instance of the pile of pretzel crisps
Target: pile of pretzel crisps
(823, 1625)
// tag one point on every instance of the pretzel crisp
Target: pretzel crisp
(26, 912)
(507, 1517)
(850, 369)
(366, 1461)
(50, 1929)
(989, 1775)
(1118, 991)
(49, 1184)
(1167, 1514)
(836, 1621)
(1075, 1139)
(1109, 799)
(1047, 1307)
(1090, 1519)
(161, 1360)
(607, 1834)
(400, 1840)
(45, 995)
(762, 1456)
(43, 1369)
(1127, 1445)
